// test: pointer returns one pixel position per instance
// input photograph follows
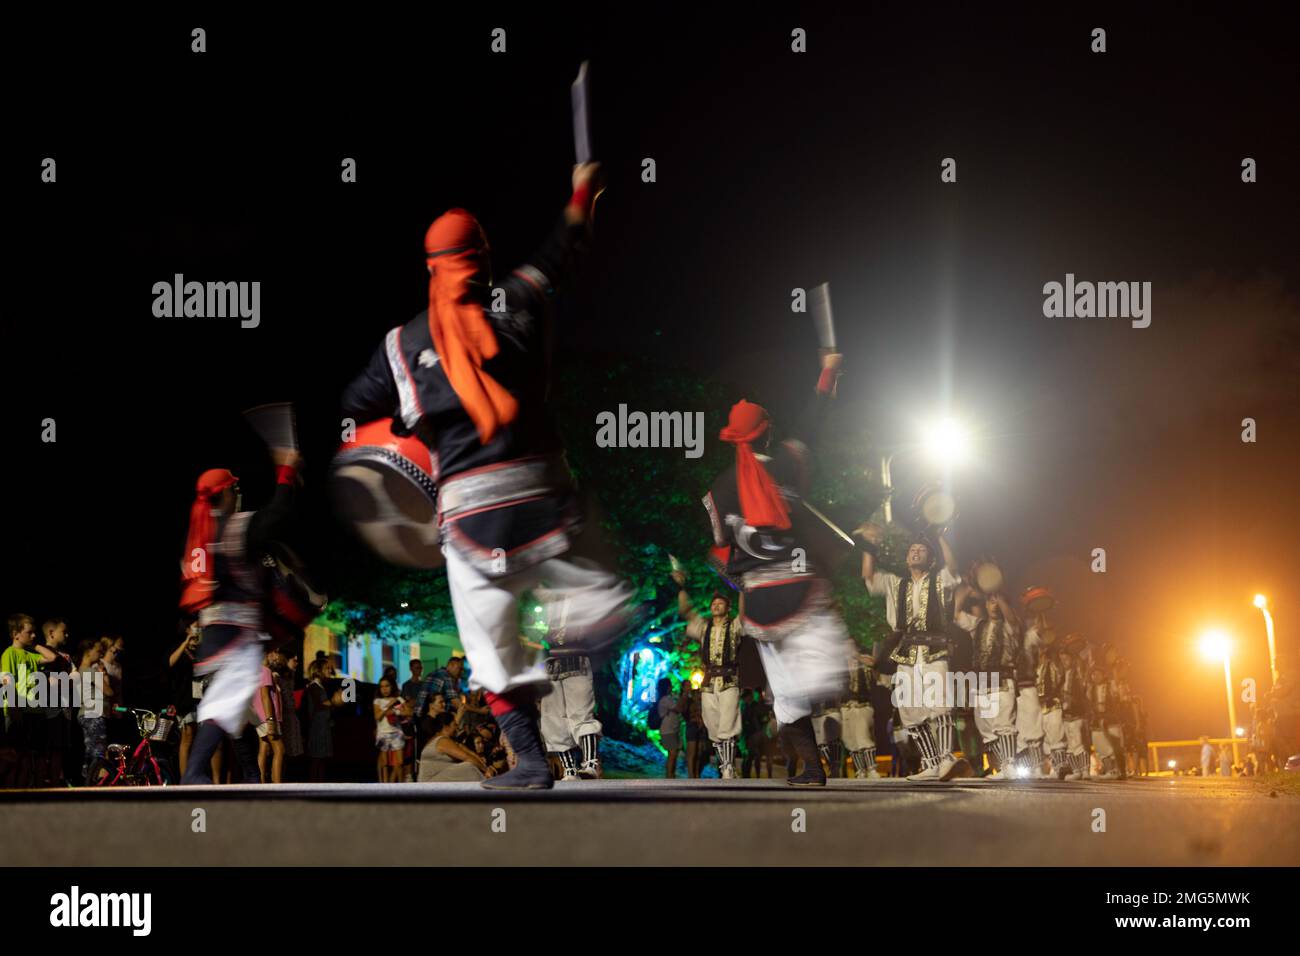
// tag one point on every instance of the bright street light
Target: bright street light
(947, 442)
(1216, 645)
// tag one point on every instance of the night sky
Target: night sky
(775, 170)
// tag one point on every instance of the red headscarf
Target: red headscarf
(462, 335)
(199, 585)
(760, 500)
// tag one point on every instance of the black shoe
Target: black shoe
(804, 743)
(532, 772)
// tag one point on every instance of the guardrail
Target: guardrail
(1154, 747)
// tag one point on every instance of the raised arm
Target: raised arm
(949, 558)
(532, 286)
(871, 536)
(960, 596)
(176, 654)
(1008, 613)
(810, 423)
(269, 523)
(684, 607)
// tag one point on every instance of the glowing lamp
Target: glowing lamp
(947, 441)
(1215, 645)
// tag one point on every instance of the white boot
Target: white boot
(930, 772)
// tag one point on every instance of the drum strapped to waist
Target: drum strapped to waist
(496, 486)
(386, 487)
(292, 602)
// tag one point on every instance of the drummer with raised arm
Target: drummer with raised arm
(918, 607)
(468, 377)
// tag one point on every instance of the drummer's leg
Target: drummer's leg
(583, 597)
(487, 617)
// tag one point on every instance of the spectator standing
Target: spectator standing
(58, 723)
(290, 728)
(186, 690)
(697, 735)
(411, 720)
(266, 704)
(444, 682)
(668, 711)
(94, 723)
(320, 730)
(389, 739)
(20, 663)
(753, 722)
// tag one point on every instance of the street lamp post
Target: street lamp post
(1261, 602)
(1215, 644)
(887, 482)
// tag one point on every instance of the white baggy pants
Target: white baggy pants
(995, 713)
(569, 713)
(1029, 716)
(858, 726)
(721, 712)
(920, 690)
(487, 613)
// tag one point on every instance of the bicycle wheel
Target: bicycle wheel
(166, 775)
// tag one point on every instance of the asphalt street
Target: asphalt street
(1166, 821)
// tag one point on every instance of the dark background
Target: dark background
(775, 170)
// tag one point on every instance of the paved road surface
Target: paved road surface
(1148, 822)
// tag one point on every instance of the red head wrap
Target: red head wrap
(199, 585)
(463, 337)
(760, 499)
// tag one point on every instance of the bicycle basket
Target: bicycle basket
(159, 728)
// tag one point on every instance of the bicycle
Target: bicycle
(142, 768)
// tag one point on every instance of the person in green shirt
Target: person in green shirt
(18, 668)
